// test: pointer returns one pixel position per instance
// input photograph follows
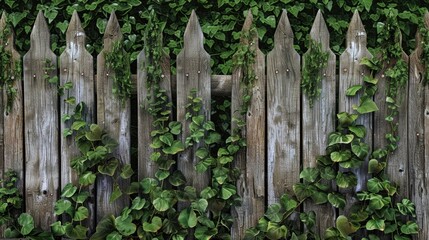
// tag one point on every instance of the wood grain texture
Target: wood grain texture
(76, 66)
(113, 115)
(352, 73)
(250, 161)
(397, 163)
(193, 73)
(319, 121)
(12, 125)
(41, 127)
(147, 167)
(417, 102)
(283, 113)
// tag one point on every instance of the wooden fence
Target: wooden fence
(283, 133)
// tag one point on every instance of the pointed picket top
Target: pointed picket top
(193, 37)
(3, 21)
(75, 33)
(40, 35)
(284, 34)
(319, 31)
(247, 27)
(112, 32)
(356, 34)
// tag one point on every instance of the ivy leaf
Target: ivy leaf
(288, 203)
(309, 219)
(116, 193)
(374, 166)
(94, 134)
(410, 228)
(309, 174)
(61, 206)
(337, 200)
(346, 119)
(341, 156)
(319, 197)
(359, 131)
(377, 202)
(200, 205)
(273, 213)
(125, 226)
(127, 171)
(208, 193)
(227, 191)
(177, 179)
(88, 178)
(351, 91)
(69, 190)
(167, 139)
(374, 185)
(109, 168)
(328, 173)
(154, 226)
(175, 127)
(274, 231)
(114, 236)
(339, 138)
(204, 233)
(58, 229)
(81, 197)
(345, 226)
(26, 222)
(375, 224)
(138, 203)
(367, 4)
(406, 207)
(176, 146)
(104, 227)
(302, 191)
(187, 218)
(77, 232)
(367, 106)
(346, 180)
(162, 174)
(361, 150)
(81, 214)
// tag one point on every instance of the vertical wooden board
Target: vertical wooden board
(13, 121)
(76, 67)
(352, 73)
(424, 224)
(283, 113)
(419, 187)
(397, 163)
(113, 116)
(193, 73)
(147, 167)
(41, 127)
(319, 121)
(250, 161)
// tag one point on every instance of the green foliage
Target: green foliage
(316, 60)
(10, 198)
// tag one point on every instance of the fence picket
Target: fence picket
(352, 73)
(416, 136)
(193, 73)
(397, 168)
(147, 167)
(113, 115)
(41, 126)
(283, 113)
(319, 120)
(251, 161)
(76, 67)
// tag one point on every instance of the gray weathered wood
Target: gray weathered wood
(76, 66)
(193, 73)
(12, 123)
(41, 127)
(250, 161)
(147, 167)
(113, 115)
(397, 163)
(417, 136)
(283, 113)
(319, 120)
(352, 73)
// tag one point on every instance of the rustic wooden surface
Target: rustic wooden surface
(250, 161)
(417, 102)
(193, 73)
(397, 163)
(12, 123)
(113, 115)
(76, 66)
(319, 120)
(352, 73)
(41, 128)
(283, 113)
(147, 167)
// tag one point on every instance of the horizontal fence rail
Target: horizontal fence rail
(284, 134)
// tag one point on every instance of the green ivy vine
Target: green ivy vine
(10, 71)
(316, 60)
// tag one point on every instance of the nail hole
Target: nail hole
(401, 170)
(45, 192)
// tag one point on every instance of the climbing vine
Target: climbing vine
(316, 60)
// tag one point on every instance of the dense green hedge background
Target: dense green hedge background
(221, 21)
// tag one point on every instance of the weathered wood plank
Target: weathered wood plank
(193, 73)
(283, 113)
(113, 116)
(41, 127)
(397, 163)
(352, 73)
(13, 121)
(319, 121)
(76, 67)
(419, 185)
(250, 161)
(147, 167)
